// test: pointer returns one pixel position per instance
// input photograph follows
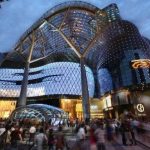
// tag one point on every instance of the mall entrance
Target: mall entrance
(74, 108)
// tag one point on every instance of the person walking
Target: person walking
(15, 137)
(32, 132)
(81, 135)
(100, 136)
(92, 140)
(51, 140)
(60, 141)
(40, 140)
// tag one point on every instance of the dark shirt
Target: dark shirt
(15, 135)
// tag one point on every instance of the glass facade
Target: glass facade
(124, 44)
(51, 79)
(108, 43)
(39, 113)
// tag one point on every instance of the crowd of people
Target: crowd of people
(37, 137)
(94, 133)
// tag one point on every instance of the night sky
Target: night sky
(16, 16)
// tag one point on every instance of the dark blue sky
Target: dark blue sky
(16, 16)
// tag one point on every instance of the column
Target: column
(23, 93)
(85, 93)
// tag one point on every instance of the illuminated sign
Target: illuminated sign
(140, 63)
(140, 107)
(107, 102)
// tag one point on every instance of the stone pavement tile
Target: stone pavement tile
(133, 147)
(128, 147)
(114, 145)
(144, 138)
(109, 146)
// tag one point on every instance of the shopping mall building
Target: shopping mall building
(48, 55)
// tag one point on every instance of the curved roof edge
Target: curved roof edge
(54, 10)
(44, 106)
(42, 109)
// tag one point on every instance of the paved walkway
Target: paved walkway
(144, 139)
(116, 144)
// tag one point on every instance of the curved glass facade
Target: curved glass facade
(108, 44)
(105, 81)
(123, 44)
(52, 79)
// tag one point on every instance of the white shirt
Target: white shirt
(2, 130)
(81, 134)
(32, 129)
(100, 134)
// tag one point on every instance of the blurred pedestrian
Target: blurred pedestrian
(92, 140)
(60, 141)
(32, 132)
(40, 140)
(15, 137)
(81, 133)
(51, 139)
(100, 136)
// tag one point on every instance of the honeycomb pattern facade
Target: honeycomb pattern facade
(110, 43)
(123, 44)
(62, 78)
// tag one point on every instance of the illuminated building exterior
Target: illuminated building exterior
(61, 78)
(78, 51)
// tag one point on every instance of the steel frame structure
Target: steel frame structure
(44, 113)
(73, 30)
